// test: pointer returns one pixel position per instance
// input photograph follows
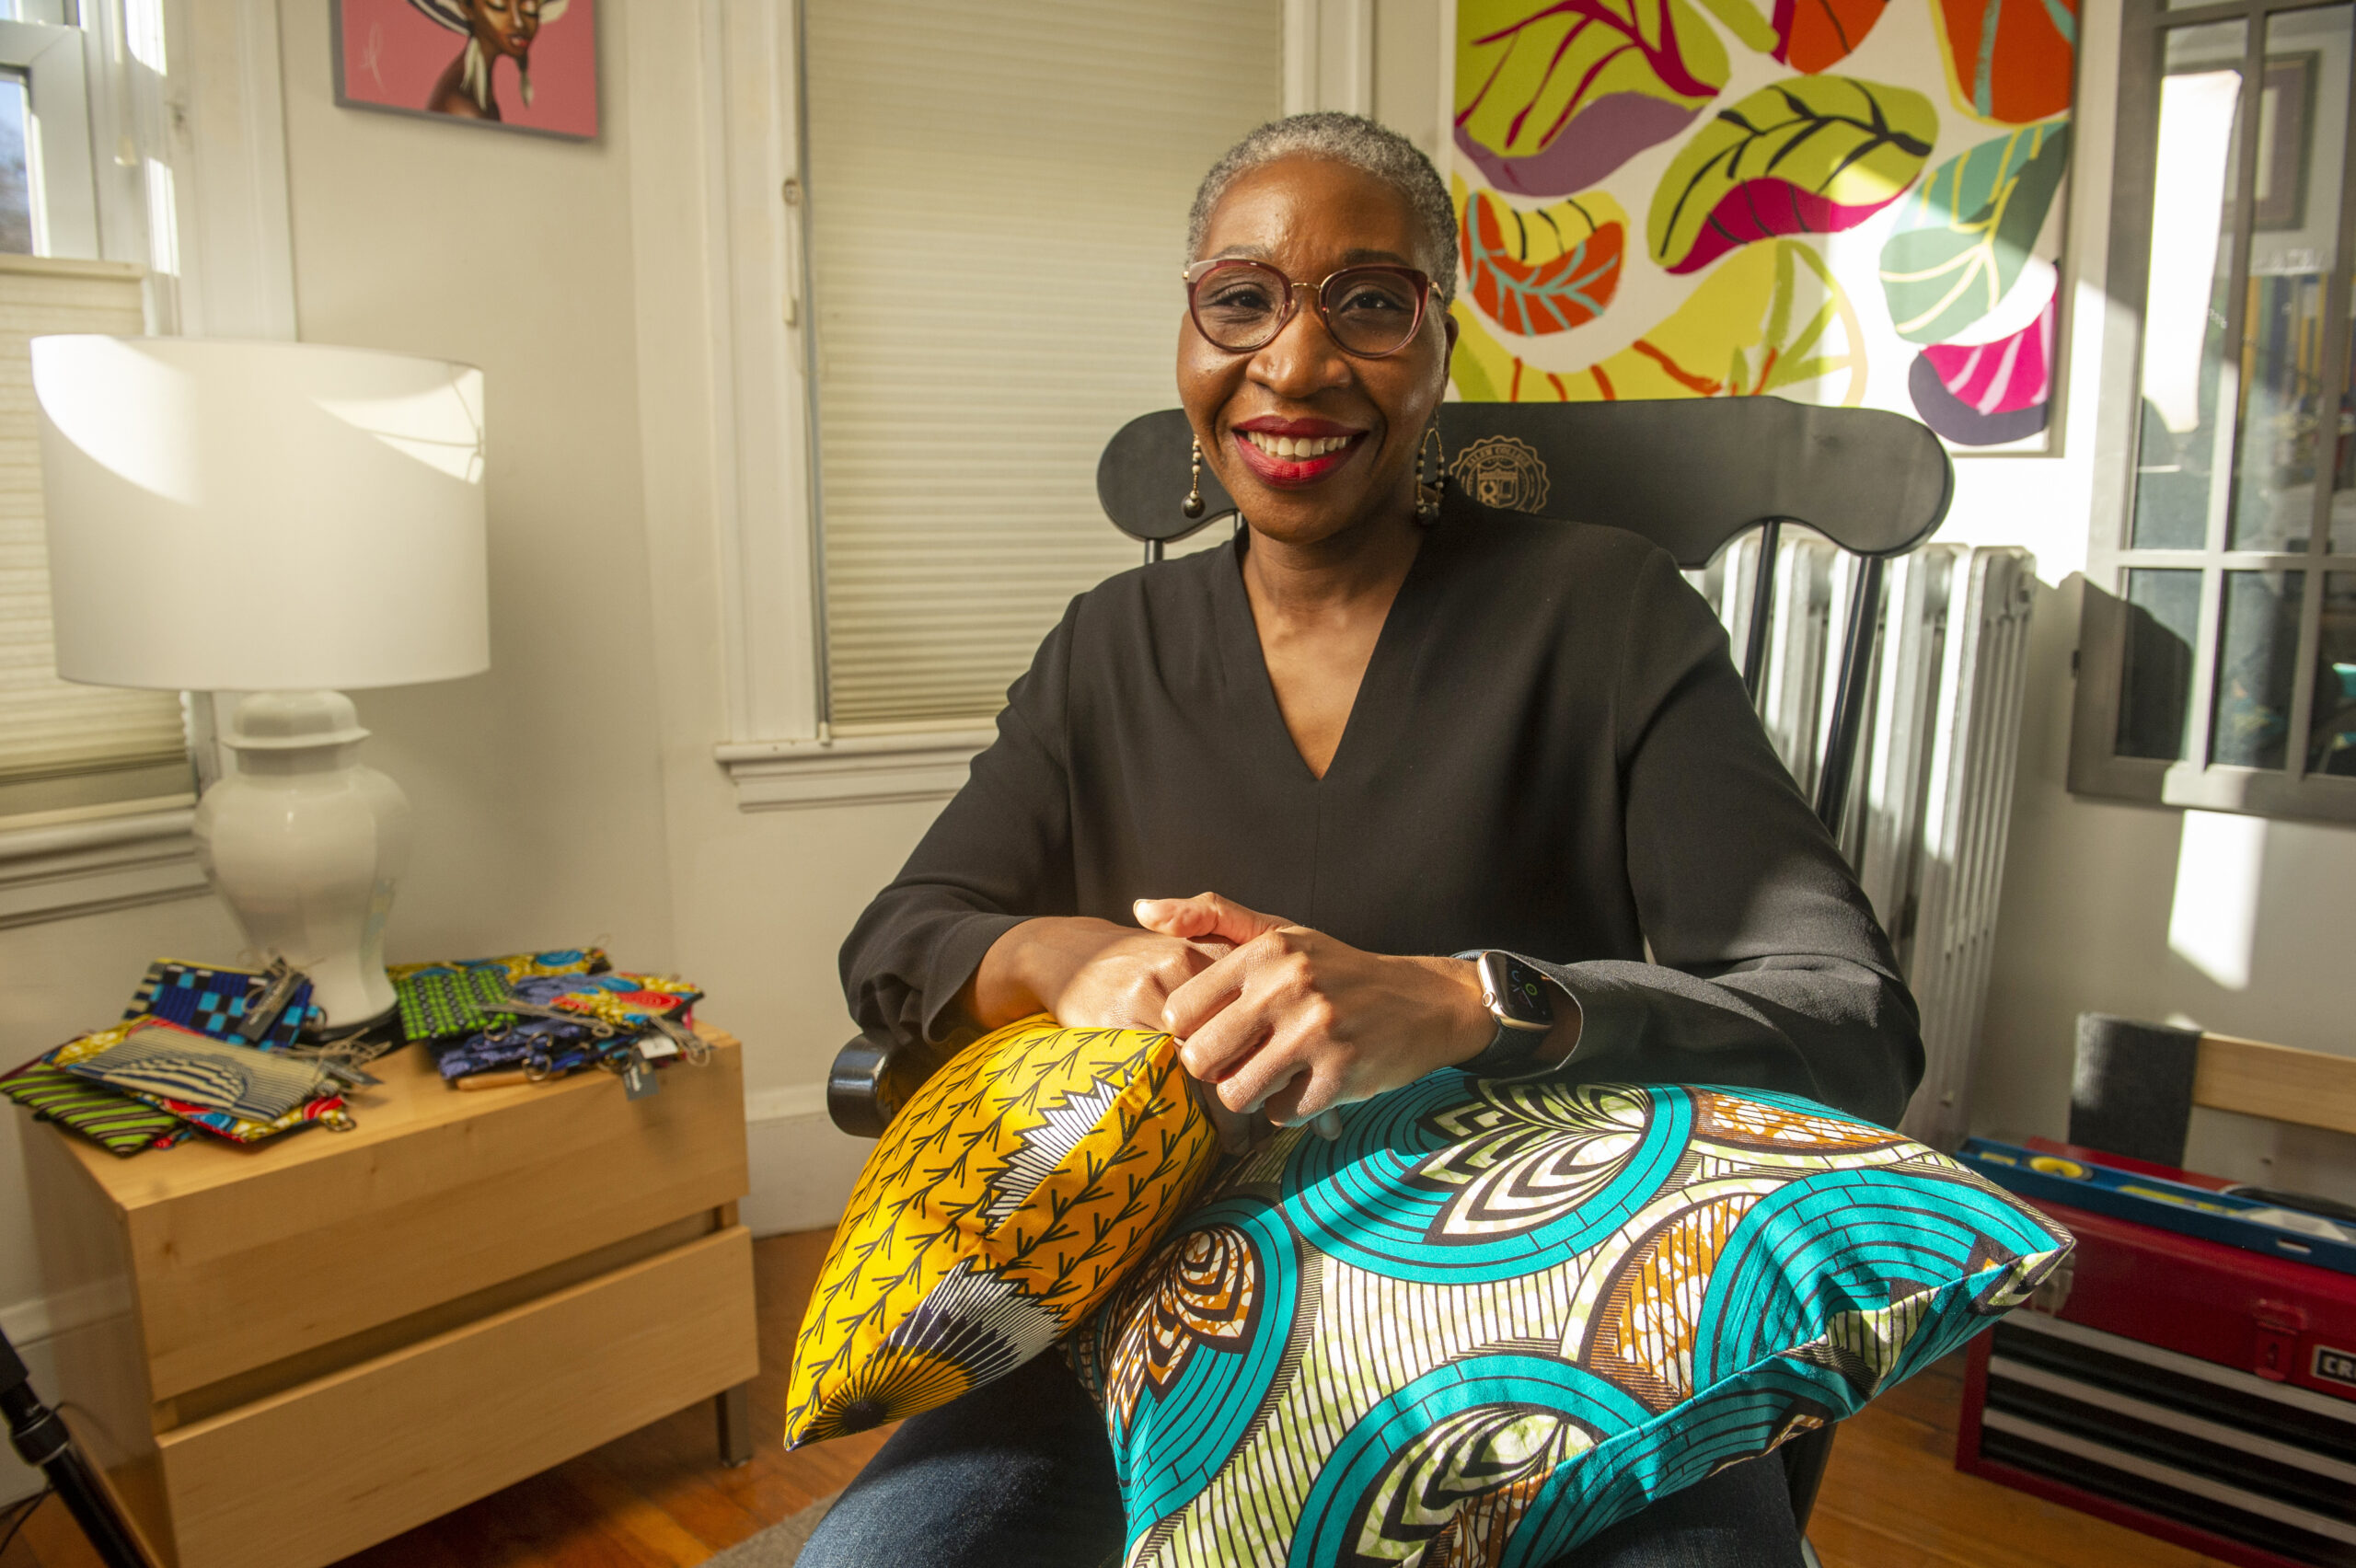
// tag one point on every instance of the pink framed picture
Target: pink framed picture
(524, 64)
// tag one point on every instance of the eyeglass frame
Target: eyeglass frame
(1194, 273)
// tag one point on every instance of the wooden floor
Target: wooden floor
(659, 1499)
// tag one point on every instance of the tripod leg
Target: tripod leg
(41, 1438)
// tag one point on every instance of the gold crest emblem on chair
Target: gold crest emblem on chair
(1501, 472)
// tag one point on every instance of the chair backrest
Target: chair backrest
(1689, 473)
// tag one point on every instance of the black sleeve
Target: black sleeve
(999, 853)
(1769, 970)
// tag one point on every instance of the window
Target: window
(64, 748)
(996, 212)
(2218, 652)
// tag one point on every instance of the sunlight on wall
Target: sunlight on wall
(2212, 924)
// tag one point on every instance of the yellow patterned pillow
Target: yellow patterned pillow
(1000, 1206)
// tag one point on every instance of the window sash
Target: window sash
(63, 744)
(2095, 768)
(1042, 155)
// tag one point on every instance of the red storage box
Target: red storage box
(2198, 1392)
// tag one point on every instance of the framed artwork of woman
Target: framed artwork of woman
(524, 64)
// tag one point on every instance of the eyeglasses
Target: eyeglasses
(1372, 311)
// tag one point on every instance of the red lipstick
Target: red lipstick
(1290, 453)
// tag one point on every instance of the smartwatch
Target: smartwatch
(1516, 996)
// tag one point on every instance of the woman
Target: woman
(495, 29)
(1405, 727)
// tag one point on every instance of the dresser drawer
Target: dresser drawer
(324, 1469)
(242, 1260)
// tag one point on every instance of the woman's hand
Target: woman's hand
(1295, 1023)
(1089, 974)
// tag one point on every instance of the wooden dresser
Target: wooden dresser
(281, 1354)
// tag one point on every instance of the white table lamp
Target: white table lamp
(282, 519)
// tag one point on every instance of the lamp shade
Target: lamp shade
(255, 517)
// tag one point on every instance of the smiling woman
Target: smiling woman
(1480, 760)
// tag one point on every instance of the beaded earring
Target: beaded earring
(1193, 505)
(1432, 489)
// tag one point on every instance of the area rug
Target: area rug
(780, 1546)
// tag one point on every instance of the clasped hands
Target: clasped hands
(1284, 1023)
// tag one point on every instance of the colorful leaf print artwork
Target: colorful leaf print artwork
(1554, 95)
(1541, 271)
(1772, 320)
(1988, 393)
(2010, 60)
(1806, 35)
(1819, 34)
(1967, 231)
(1812, 154)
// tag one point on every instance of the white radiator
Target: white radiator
(1933, 801)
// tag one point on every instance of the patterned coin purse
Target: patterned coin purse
(1000, 1205)
(215, 1001)
(1495, 1318)
(519, 965)
(116, 1121)
(444, 1001)
(164, 1061)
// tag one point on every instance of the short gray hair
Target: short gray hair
(1362, 145)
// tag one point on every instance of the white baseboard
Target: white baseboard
(803, 1166)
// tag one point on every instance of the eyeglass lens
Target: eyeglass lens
(1240, 306)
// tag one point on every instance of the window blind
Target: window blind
(62, 745)
(998, 215)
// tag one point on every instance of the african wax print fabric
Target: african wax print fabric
(160, 1058)
(519, 965)
(1494, 1316)
(624, 1004)
(445, 1001)
(325, 1111)
(115, 1122)
(213, 1000)
(999, 1207)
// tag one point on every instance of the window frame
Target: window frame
(63, 170)
(226, 268)
(732, 115)
(2095, 768)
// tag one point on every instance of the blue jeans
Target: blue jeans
(1019, 1475)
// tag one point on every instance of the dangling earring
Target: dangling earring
(1193, 505)
(1432, 489)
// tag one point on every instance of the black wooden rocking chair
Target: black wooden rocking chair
(1690, 475)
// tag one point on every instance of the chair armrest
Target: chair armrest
(871, 1079)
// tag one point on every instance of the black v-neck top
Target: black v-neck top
(1550, 752)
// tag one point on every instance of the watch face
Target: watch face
(1517, 991)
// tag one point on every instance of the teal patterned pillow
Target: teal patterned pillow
(1495, 1318)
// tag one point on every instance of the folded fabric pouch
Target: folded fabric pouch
(116, 1122)
(614, 1008)
(160, 1058)
(213, 1000)
(626, 1001)
(327, 1110)
(555, 1047)
(448, 1000)
(519, 965)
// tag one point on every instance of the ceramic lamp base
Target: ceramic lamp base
(303, 842)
